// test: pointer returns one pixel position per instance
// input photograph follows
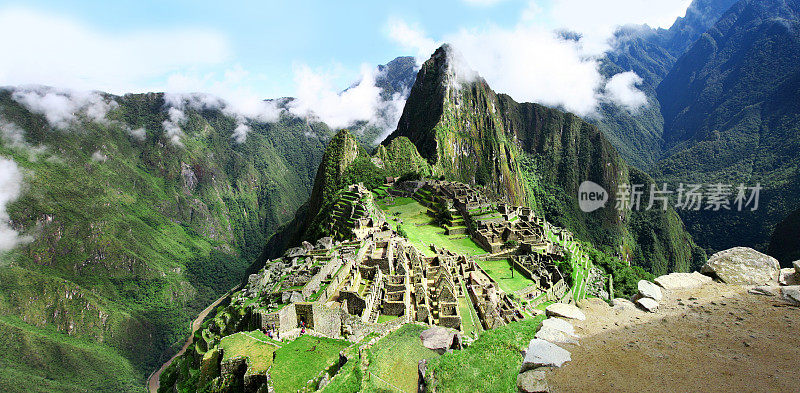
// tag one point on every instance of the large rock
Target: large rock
(648, 289)
(565, 311)
(541, 353)
(621, 304)
(742, 266)
(766, 290)
(789, 277)
(791, 294)
(680, 281)
(555, 336)
(440, 339)
(560, 325)
(796, 267)
(532, 381)
(648, 304)
(325, 243)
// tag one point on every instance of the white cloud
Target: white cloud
(10, 189)
(621, 88)
(138, 134)
(62, 106)
(172, 129)
(45, 49)
(316, 96)
(411, 37)
(597, 20)
(99, 156)
(240, 133)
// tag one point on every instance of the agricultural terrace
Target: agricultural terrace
(407, 216)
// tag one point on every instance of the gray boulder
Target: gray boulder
(532, 381)
(325, 243)
(541, 353)
(292, 297)
(440, 339)
(555, 336)
(796, 267)
(742, 266)
(680, 281)
(565, 311)
(648, 289)
(789, 277)
(766, 290)
(647, 304)
(559, 324)
(621, 304)
(791, 294)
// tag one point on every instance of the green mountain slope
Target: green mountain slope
(131, 237)
(529, 154)
(651, 54)
(731, 115)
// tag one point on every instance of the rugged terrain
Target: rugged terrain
(717, 338)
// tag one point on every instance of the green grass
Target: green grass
(395, 358)
(386, 318)
(413, 214)
(301, 360)
(469, 320)
(252, 346)
(500, 271)
(490, 364)
(37, 359)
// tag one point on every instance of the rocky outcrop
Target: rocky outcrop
(647, 304)
(791, 294)
(620, 304)
(649, 290)
(742, 266)
(440, 339)
(560, 325)
(788, 276)
(554, 335)
(796, 267)
(682, 281)
(532, 381)
(541, 353)
(565, 311)
(766, 290)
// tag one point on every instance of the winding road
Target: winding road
(153, 380)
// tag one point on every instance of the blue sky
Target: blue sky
(246, 51)
(271, 37)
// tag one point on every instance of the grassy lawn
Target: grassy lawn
(301, 360)
(490, 364)
(251, 346)
(386, 318)
(500, 271)
(395, 358)
(469, 322)
(413, 214)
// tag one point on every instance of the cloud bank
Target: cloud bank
(61, 107)
(551, 55)
(45, 49)
(10, 189)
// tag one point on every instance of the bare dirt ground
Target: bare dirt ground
(717, 338)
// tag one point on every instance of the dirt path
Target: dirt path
(714, 339)
(153, 380)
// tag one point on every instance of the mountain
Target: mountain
(731, 116)
(134, 213)
(530, 154)
(651, 54)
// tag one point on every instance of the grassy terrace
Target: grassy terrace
(301, 360)
(421, 232)
(255, 346)
(500, 271)
(394, 360)
(490, 364)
